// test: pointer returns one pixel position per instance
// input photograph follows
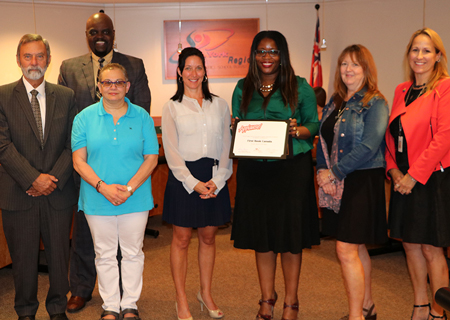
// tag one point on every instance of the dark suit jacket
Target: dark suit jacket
(78, 74)
(21, 157)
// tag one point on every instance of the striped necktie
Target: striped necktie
(37, 114)
(98, 95)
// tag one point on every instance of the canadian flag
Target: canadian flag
(316, 67)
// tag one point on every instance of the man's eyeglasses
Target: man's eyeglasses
(272, 53)
(118, 83)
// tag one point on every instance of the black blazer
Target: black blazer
(21, 157)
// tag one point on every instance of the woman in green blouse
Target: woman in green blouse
(275, 210)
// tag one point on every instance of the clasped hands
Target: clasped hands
(206, 189)
(117, 194)
(402, 183)
(44, 185)
(325, 180)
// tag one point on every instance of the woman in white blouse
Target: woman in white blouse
(196, 139)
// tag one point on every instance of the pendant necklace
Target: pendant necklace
(341, 110)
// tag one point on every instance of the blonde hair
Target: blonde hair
(362, 55)
(440, 67)
(113, 66)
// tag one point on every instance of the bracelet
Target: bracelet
(130, 189)
(99, 183)
(332, 180)
(414, 180)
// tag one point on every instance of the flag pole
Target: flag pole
(316, 67)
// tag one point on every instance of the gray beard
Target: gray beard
(33, 74)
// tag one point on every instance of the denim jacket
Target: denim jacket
(361, 135)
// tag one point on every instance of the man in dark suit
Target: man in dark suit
(80, 74)
(38, 192)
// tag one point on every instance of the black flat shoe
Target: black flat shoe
(133, 311)
(107, 313)
(59, 316)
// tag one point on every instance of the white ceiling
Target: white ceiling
(131, 1)
(123, 2)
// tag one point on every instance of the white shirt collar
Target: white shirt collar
(29, 87)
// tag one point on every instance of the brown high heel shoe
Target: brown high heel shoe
(293, 307)
(270, 302)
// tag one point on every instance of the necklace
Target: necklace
(266, 88)
(415, 88)
(419, 86)
(341, 110)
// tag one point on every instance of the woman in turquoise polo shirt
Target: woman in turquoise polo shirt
(275, 209)
(115, 150)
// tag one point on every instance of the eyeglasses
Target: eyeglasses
(118, 83)
(272, 53)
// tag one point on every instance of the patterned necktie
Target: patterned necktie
(98, 95)
(37, 114)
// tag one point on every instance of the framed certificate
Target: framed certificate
(261, 139)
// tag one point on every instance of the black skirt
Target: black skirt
(189, 210)
(275, 208)
(423, 216)
(362, 216)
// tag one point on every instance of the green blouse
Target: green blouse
(305, 113)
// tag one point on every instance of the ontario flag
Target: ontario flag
(316, 68)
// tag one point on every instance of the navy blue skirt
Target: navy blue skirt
(189, 210)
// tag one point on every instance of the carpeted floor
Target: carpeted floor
(235, 285)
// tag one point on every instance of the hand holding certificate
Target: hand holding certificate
(261, 139)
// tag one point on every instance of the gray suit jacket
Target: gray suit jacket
(21, 157)
(78, 74)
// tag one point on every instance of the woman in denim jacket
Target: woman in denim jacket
(351, 152)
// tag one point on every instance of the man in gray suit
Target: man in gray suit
(80, 74)
(38, 192)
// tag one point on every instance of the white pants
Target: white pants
(108, 232)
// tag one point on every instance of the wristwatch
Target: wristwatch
(130, 189)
